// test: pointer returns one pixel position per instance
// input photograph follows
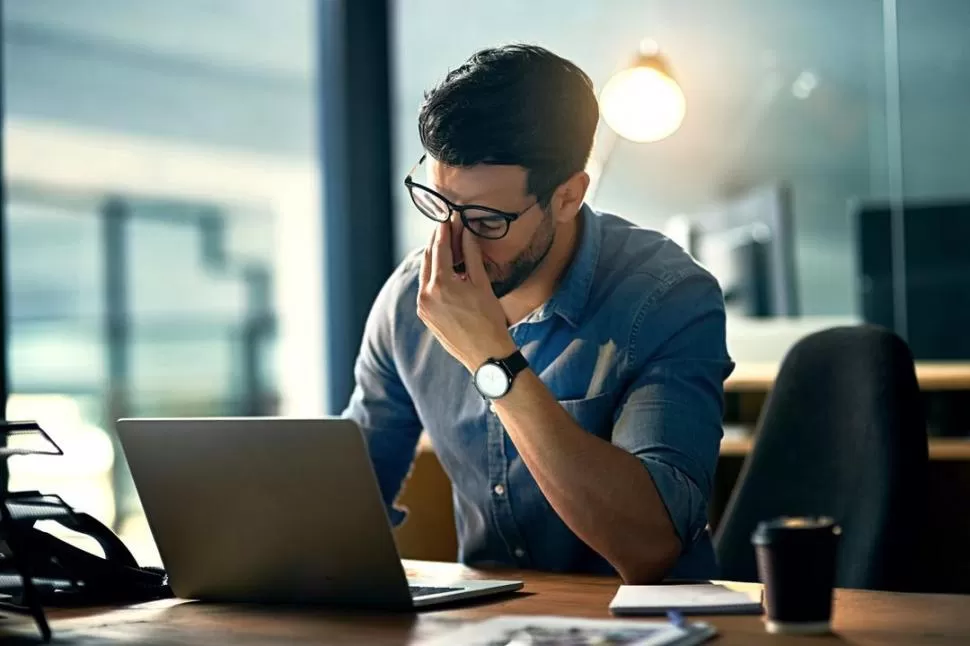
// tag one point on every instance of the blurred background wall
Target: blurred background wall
(790, 91)
(163, 223)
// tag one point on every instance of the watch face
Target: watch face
(491, 381)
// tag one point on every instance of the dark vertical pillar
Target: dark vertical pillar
(117, 335)
(355, 149)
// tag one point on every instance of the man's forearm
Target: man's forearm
(604, 494)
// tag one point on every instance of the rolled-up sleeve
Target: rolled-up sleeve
(671, 414)
(380, 403)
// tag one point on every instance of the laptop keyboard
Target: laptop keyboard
(423, 591)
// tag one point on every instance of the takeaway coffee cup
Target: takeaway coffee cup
(796, 564)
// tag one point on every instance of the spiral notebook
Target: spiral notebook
(689, 599)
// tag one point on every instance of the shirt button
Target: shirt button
(499, 490)
(491, 407)
(519, 552)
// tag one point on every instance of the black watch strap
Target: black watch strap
(513, 364)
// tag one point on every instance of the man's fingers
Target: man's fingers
(441, 259)
(457, 254)
(426, 266)
(474, 264)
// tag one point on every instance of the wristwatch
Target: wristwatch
(493, 379)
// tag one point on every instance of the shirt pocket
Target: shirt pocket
(594, 414)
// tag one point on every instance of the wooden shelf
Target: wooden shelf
(941, 448)
(760, 377)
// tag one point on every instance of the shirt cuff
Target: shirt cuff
(686, 505)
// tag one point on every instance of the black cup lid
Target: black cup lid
(769, 530)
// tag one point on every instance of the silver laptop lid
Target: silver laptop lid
(265, 509)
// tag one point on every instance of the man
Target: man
(567, 365)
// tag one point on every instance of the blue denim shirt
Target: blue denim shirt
(632, 344)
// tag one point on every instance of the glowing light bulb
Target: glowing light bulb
(643, 104)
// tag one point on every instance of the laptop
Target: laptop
(272, 510)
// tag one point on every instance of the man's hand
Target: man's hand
(461, 310)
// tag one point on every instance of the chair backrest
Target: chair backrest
(842, 434)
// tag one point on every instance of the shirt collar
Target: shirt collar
(570, 297)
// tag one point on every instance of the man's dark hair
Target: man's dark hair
(518, 105)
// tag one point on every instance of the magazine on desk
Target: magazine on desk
(567, 631)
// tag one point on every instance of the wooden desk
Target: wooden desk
(860, 618)
(932, 376)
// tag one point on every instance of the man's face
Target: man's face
(510, 260)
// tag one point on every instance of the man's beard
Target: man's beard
(515, 273)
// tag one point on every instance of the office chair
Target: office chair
(842, 434)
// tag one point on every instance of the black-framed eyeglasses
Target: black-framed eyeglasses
(483, 221)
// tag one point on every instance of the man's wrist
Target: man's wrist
(499, 348)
